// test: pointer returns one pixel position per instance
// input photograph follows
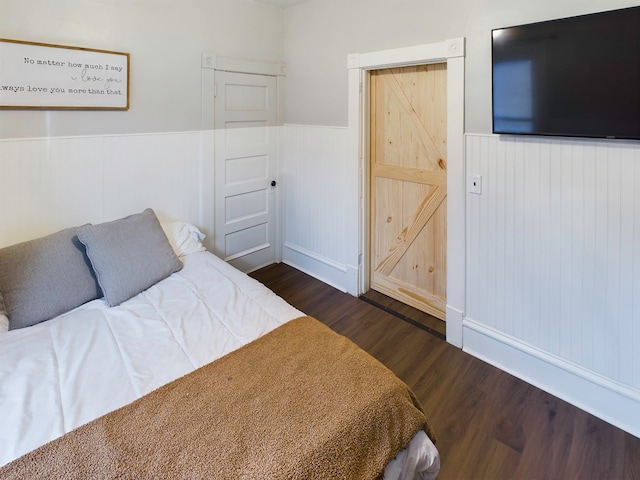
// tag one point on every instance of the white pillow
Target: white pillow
(4, 320)
(184, 238)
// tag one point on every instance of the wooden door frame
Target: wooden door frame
(360, 65)
(210, 62)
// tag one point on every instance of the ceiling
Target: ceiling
(282, 3)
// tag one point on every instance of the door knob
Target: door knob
(273, 183)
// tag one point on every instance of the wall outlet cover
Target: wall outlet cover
(475, 184)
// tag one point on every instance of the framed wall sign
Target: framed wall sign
(43, 76)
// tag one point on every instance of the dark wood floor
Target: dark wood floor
(410, 314)
(489, 424)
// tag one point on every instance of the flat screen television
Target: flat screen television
(573, 77)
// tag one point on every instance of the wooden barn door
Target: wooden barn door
(409, 185)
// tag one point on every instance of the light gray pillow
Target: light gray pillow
(45, 277)
(129, 255)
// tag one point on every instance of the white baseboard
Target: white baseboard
(614, 403)
(336, 274)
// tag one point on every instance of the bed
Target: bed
(132, 352)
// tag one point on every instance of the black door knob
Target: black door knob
(273, 183)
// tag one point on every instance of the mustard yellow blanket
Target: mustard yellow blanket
(300, 402)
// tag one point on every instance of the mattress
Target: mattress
(60, 374)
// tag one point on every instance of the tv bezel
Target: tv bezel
(545, 134)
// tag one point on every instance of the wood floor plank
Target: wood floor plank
(489, 424)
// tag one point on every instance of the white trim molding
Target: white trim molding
(452, 52)
(415, 55)
(214, 62)
(611, 401)
(328, 271)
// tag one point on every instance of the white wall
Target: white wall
(98, 171)
(165, 39)
(320, 34)
(63, 168)
(553, 267)
(318, 195)
(551, 264)
(48, 184)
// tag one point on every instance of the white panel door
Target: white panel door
(245, 169)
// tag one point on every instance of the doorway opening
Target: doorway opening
(361, 68)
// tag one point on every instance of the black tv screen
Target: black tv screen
(575, 77)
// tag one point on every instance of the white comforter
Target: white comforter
(60, 374)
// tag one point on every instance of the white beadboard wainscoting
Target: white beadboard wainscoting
(51, 183)
(320, 204)
(553, 268)
(47, 184)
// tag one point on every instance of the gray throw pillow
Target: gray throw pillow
(129, 255)
(45, 277)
